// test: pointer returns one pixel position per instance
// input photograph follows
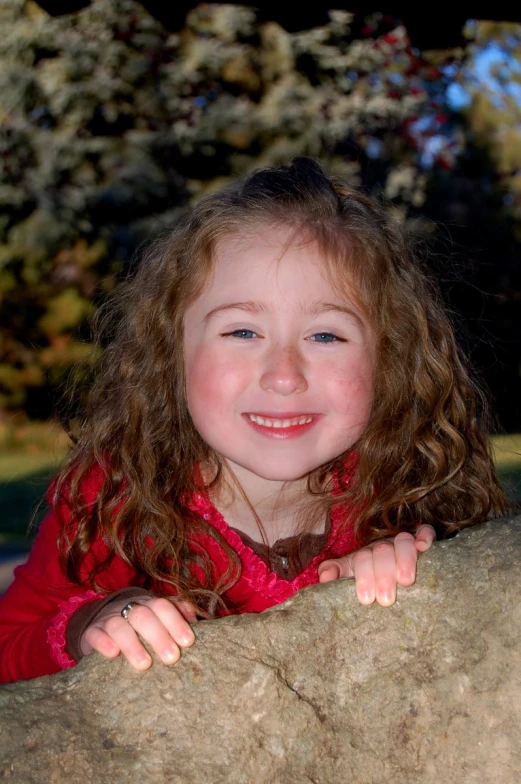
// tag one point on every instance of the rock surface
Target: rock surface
(319, 689)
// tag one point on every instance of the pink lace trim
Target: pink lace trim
(56, 633)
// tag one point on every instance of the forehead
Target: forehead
(278, 258)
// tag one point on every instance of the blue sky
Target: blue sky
(491, 68)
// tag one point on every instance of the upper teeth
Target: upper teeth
(302, 420)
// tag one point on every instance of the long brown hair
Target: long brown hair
(424, 455)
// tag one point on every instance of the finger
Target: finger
(187, 610)
(144, 620)
(406, 557)
(384, 565)
(126, 637)
(95, 639)
(425, 536)
(364, 575)
(173, 620)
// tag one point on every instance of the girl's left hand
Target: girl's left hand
(381, 566)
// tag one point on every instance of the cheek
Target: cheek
(212, 381)
(202, 370)
(352, 388)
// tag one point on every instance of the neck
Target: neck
(277, 504)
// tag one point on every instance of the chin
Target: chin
(280, 474)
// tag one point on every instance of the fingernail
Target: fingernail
(187, 640)
(171, 655)
(142, 661)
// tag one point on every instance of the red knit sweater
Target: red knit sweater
(36, 608)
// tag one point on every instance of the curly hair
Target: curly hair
(424, 455)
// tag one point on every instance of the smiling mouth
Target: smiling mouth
(264, 421)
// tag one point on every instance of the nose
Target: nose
(284, 372)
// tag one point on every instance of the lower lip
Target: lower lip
(293, 431)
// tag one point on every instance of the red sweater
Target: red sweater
(36, 608)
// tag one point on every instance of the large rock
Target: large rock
(319, 689)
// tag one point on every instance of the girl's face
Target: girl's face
(279, 367)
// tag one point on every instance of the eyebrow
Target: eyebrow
(314, 309)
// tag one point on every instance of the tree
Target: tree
(113, 124)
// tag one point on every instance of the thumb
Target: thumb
(327, 572)
(334, 569)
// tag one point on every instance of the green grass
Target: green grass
(31, 453)
(507, 457)
(507, 451)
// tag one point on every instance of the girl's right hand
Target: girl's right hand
(163, 625)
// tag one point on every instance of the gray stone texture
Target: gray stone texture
(320, 689)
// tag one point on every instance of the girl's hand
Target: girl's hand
(163, 625)
(381, 566)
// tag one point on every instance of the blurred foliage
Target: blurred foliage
(110, 126)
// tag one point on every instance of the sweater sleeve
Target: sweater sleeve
(87, 614)
(37, 606)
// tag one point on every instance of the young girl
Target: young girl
(281, 403)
